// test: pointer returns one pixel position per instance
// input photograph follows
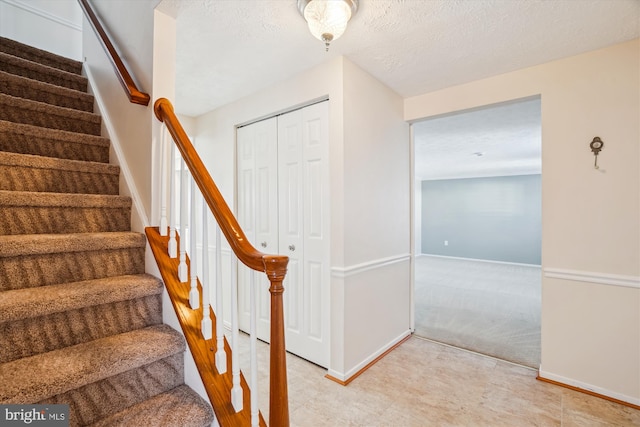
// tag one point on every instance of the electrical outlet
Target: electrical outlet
(446, 243)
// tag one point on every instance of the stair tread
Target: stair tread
(17, 84)
(34, 378)
(74, 200)
(32, 53)
(53, 134)
(50, 71)
(33, 302)
(180, 406)
(36, 107)
(41, 162)
(37, 244)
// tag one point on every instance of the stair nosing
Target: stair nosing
(40, 52)
(56, 134)
(53, 110)
(27, 303)
(70, 200)
(47, 87)
(39, 67)
(37, 377)
(40, 244)
(41, 162)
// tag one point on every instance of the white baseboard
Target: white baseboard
(360, 366)
(589, 387)
(116, 145)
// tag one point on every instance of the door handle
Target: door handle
(292, 248)
(263, 244)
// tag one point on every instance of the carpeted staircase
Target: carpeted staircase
(80, 321)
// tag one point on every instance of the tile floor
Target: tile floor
(423, 383)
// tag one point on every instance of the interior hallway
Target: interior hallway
(422, 383)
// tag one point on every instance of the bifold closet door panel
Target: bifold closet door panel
(257, 159)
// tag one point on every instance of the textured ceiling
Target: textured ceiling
(494, 141)
(228, 49)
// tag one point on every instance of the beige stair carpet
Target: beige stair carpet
(80, 321)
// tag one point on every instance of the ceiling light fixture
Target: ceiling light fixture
(327, 19)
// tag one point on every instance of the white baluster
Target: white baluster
(173, 242)
(183, 274)
(163, 180)
(221, 354)
(253, 353)
(236, 389)
(206, 325)
(194, 294)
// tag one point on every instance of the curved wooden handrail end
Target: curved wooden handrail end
(158, 105)
(140, 98)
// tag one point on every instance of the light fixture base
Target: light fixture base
(353, 4)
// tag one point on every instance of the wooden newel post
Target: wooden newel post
(278, 389)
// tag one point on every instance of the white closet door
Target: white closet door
(257, 211)
(283, 206)
(303, 227)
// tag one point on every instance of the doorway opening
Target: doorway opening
(477, 279)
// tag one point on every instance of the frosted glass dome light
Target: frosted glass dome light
(327, 19)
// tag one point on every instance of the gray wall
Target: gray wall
(496, 218)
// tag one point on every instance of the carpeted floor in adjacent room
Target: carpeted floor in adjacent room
(490, 308)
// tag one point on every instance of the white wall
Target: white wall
(364, 117)
(132, 33)
(590, 218)
(375, 273)
(54, 26)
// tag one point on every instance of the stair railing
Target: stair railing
(274, 266)
(196, 303)
(136, 96)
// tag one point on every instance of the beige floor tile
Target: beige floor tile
(580, 409)
(424, 384)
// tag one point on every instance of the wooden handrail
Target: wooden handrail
(250, 256)
(274, 266)
(133, 93)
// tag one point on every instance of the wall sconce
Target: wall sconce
(596, 145)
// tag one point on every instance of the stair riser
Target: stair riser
(29, 53)
(28, 271)
(19, 178)
(43, 75)
(97, 400)
(20, 88)
(27, 337)
(56, 220)
(43, 146)
(90, 125)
